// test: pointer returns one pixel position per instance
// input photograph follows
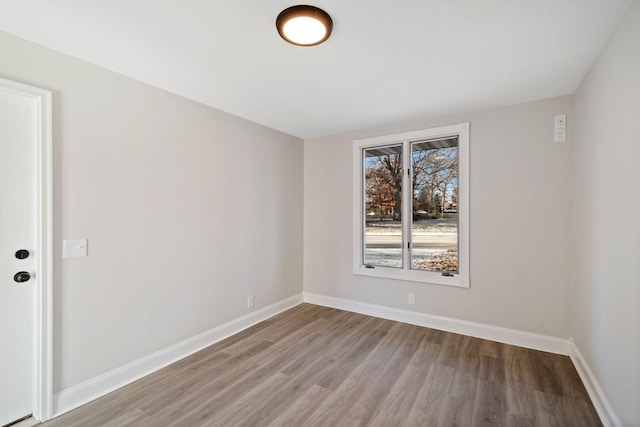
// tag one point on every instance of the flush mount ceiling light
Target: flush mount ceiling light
(304, 25)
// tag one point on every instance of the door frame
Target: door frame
(42, 302)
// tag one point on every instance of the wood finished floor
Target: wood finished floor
(316, 366)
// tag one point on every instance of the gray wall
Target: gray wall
(188, 210)
(519, 222)
(605, 295)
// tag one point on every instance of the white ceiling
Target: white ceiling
(385, 61)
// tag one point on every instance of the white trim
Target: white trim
(598, 398)
(42, 311)
(406, 138)
(464, 327)
(92, 389)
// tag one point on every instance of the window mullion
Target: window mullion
(406, 206)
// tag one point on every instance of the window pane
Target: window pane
(383, 206)
(434, 227)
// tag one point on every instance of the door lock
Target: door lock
(22, 254)
(21, 276)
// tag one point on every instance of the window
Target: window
(411, 206)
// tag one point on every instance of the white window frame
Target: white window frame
(459, 279)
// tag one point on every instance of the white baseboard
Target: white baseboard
(92, 389)
(478, 330)
(599, 400)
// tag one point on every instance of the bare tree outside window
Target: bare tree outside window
(434, 206)
(434, 227)
(383, 169)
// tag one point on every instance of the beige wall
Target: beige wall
(188, 210)
(605, 321)
(520, 222)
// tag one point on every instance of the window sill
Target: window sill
(413, 276)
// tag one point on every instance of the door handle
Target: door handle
(21, 276)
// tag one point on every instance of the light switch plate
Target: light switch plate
(561, 121)
(74, 248)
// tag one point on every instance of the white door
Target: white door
(18, 222)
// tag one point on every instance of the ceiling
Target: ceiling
(385, 61)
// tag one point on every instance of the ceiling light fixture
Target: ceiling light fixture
(304, 25)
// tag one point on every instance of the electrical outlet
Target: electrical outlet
(560, 135)
(411, 298)
(250, 301)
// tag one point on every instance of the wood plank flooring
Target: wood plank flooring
(316, 366)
